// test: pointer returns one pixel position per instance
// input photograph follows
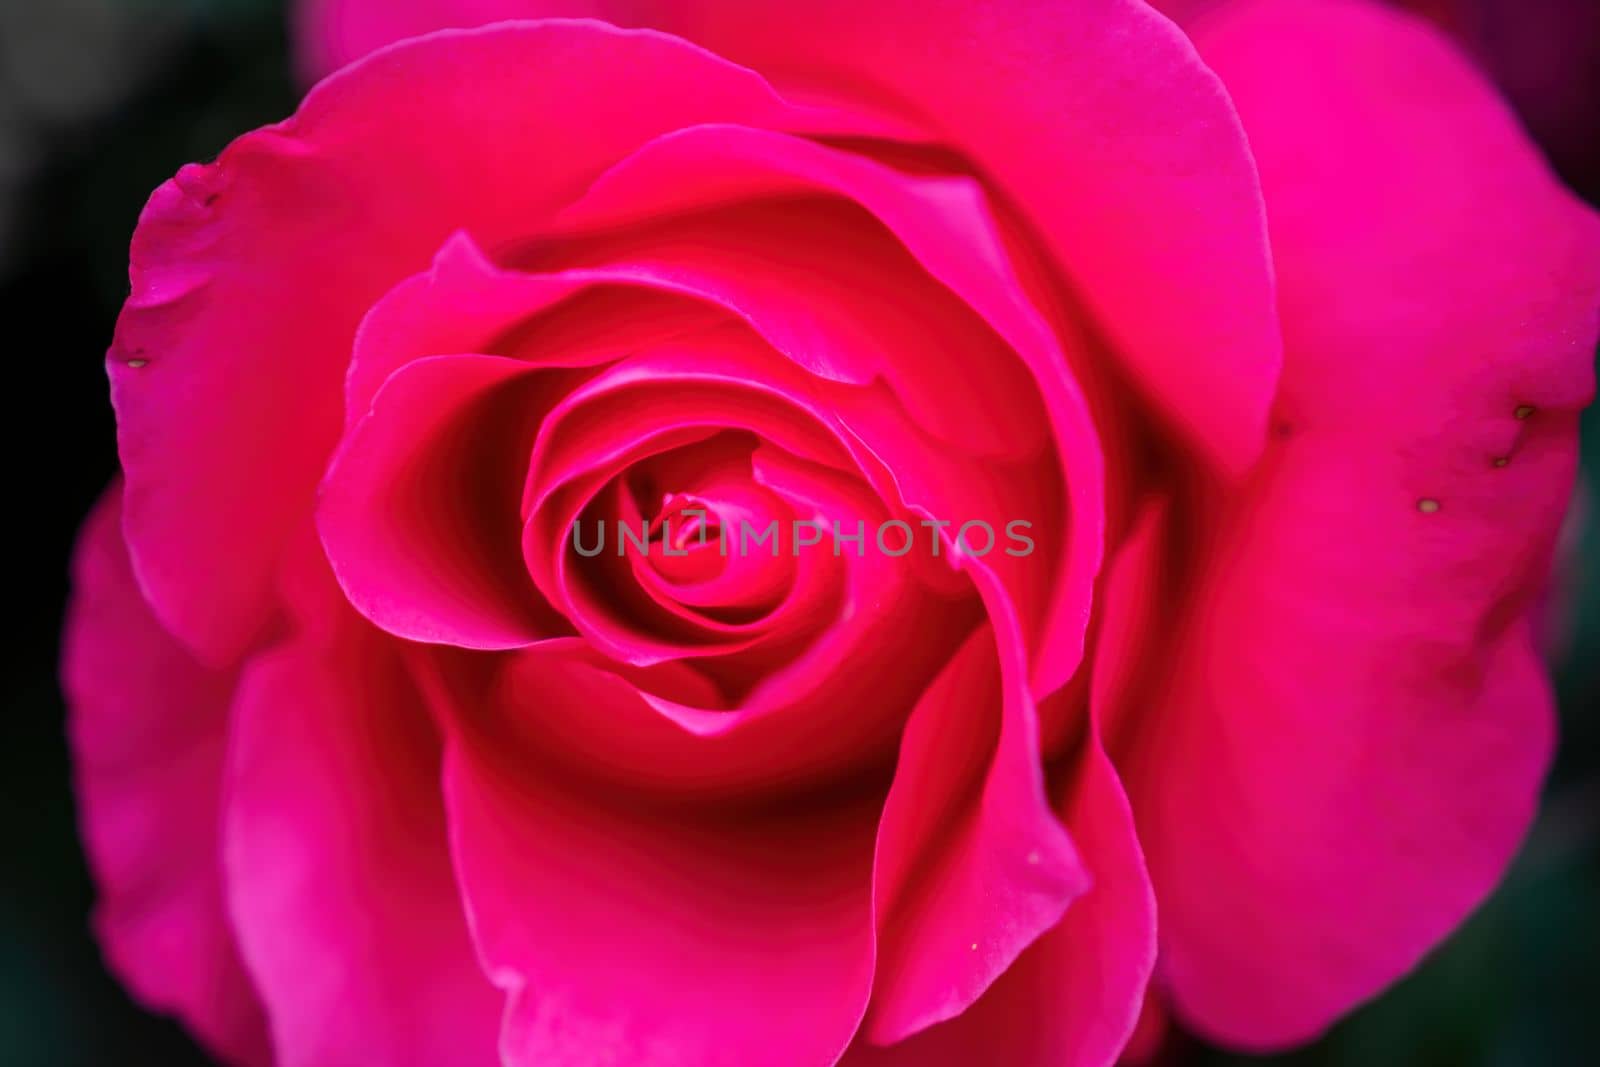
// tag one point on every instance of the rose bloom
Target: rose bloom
(1274, 327)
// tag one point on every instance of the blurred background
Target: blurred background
(101, 100)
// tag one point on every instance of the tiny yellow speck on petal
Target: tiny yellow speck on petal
(1427, 507)
(1502, 461)
(137, 363)
(1523, 411)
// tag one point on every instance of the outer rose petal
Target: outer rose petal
(339, 874)
(1095, 117)
(1353, 723)
(148, 727)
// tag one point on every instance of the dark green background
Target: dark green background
(101, 100)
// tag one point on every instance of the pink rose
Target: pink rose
(378, 766)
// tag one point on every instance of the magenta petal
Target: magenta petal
(419, 511)
(339, 875)
(1073, 998)
(461, 303)
(972, 865)
(631, 932)
(149, 728)
(231, 351)
(1093, 989)
(1356, 725)
(465, 303)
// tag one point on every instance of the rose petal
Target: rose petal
(340, 879)
(639, 933)
(419, 508)
(464, 302)
(1354, 724)
(972, 865)
(148, 727)
(1071, 999)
